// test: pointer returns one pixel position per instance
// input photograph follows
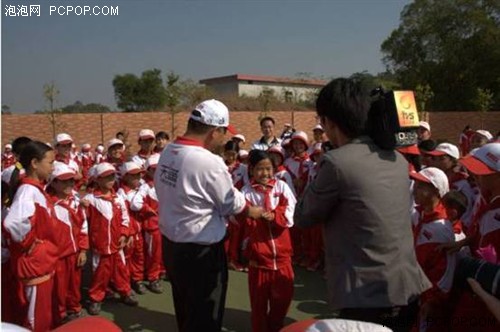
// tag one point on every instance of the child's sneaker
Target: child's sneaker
(94, 308)
(139, 287)
(130, 300)
(155, 287)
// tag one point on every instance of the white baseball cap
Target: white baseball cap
(48, 144)
(445, 149)
(242, 154)
(130, 167)
(104, 169)
(425, 125)
(145, 134)
(152, 161)
(114, 141)
(62, 172)
(278, 150)
(434, 176)
(63, 139)
(240, 137)
(300, 135)
(483, 161)
(92, 172)
(318, 127)
(8, 146)
(287, 125)
(100, 148)
(485, 133)
(86, 147)
(213, 113)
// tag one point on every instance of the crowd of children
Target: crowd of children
(61, 208)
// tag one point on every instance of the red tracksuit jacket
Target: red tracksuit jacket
(431, 231)
(30, 218)
(108, 219)
(72, 218)
(269, 245)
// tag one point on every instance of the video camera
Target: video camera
(393, 119)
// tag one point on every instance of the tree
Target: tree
(266, 97)
(483, 102)
(50, 94)
(79, 107)
(6, 109)
(423, 93)
(138, 94)
(173, 97)
(453, 45)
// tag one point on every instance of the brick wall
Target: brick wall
(95, 128)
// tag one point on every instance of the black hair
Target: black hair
(267, 118)
(119, 133)
(345, 102)
(427, 145)
(19, 143)
(255, 156)
(32, 150)
(231, 146)
(456, 200)
(162, 135)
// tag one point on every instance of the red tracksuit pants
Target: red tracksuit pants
(134, 256)
(40, 304)
(67, 281)
(152, 255)
(13, 304)
(236, 233)
(313, 243)
(271, 293)
(109, 268)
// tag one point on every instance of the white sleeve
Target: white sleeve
(137, 201)
(227, 199)
(290, 208)
(123, 206)
(17, 222)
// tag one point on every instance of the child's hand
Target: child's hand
(85, 203)
(82, 258)
(269, 216)
(130, 242)
(122, 242)
(255, 212)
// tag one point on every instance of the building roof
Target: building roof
(268, 79)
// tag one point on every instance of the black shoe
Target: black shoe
(139, 287)
(155, 287)
(74, 315)
(164, 276)
(94, 308)
(130, 300)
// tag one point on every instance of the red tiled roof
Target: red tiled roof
(270, 79)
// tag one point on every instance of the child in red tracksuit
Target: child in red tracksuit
(109, 228)
(131, 174)
(153, 259)
(73, 244)
(298, 166)
(235, 231)
(269, 249)
(34, 233)
(277, 155)
(433, 230)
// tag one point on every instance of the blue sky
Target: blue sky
(197, 39)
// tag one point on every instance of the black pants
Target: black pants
(399, 319)
(198, 275)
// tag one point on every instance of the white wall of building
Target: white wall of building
(298, 92)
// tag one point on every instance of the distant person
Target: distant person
(424, 131)
(8, 157)
(464, 140)
(162, 138)
(268, 138)
(360, 195)
(195, 195)
(146, 141)
(239, 139)
(120, 135)
(480, 138)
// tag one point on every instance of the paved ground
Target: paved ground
(156, 312)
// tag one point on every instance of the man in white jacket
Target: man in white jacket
(195, 195)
